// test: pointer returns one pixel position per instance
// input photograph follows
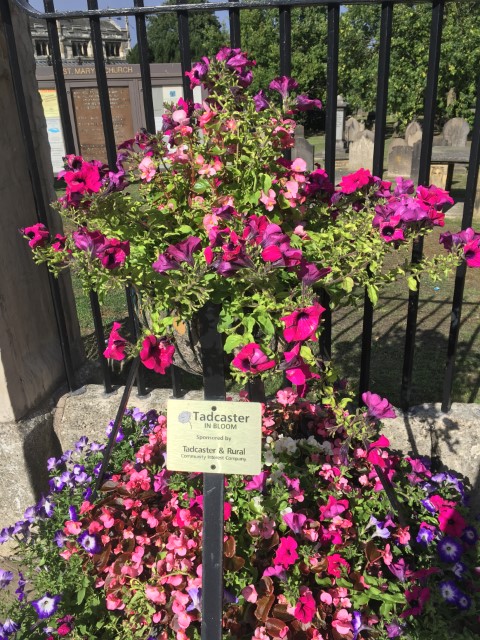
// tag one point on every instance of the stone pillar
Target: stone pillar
(31, 364)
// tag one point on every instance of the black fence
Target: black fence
(284, 7)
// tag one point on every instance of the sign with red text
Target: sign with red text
(214, 437)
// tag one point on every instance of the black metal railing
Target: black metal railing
(284, 7)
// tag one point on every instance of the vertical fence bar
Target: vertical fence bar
(185, 53)
(285, 39)
(213, 483)
(142, 44)
(423, 179)
(468, 207)
(57, 66)
(333, 30)
(380, 126)
(36, 182)
(234, 21)
(102, 85)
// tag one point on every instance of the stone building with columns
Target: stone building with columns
(76, 43)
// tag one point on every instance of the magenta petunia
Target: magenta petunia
(471, 252)
(283, 84)
(156, 354)
(355, 181)
(37, 235)
(91, 242)
(416, 598)
(260, 101)
(303, 323)
(251, 359)
(286, 553)
(295, 521)
(114, 253)
(451, 521)
(377, 407)
(304, 103)
(306, 606)
(116, 344)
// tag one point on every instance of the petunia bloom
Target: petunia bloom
(377, 408)
(116, 344)
(89, 542)
(37, 235)
(156, 354)
(251, 359)
(114, 253)
(303, 323)
(286, 553)
(283, 85)
(306, 606)
(46, 606)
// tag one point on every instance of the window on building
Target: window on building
(42, 47)
(112, 49)
(79, 49)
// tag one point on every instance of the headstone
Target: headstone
(368, 134)
(439, 141)
(413, 133)
(456, 131)
(353, 129)
(361, 154)
(397, 142)
(417, 148)
(400, 160)
(302, 148)
(340, 124)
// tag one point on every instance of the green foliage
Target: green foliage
(460, 57)
(206, 35)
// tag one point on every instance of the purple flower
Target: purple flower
(5, 578)
(260, 101)
(51, 464)
(470, 535)
(4, 535)
(304, 103)
(89, 542)
(20, 590)
(96, 446)
(198, 72)
(449, 549)
(81, 444)
(380, 530)
(399, 569)
(45, 508)
(29, 514)
(394, 629)
(425, 535)
(357, 624)
(9, 626)
(429, 506)
(56, 484)
(309, 273)
(378, 408)
(449, 591)
(257, 482)
(138, 415)
(176, 254)
(464, 602)
(87, 494)
(46, 606)
(114, 253)
(403, 187)
(195, 594)
(72, 512)
(283, 85)
(92, 242)
(120, 435)
(59, 538)
(295, 521)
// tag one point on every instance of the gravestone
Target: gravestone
(302, 148)
(456, 131)
(361, 153)
(397, 142)
(417, 148)
(413, 133)
(400, 160)
(439, 141)
(353, 130)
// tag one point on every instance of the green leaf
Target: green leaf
(372, 293)
(232, 342)
(81, 595)
(412, 283)
(347, 284)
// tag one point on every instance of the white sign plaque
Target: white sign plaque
(213, 436)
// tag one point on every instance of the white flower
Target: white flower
(269, 458)
(287, 445)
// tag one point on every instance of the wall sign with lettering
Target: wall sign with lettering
(214, 437)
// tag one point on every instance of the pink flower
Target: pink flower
(251, 359)
(113, 602)
(155, 594)
(286, 396)
(38, 235)
(335, 561)
(451, 522)
(156, 354)
(303, 323)
(92, 242)
(355, 181)
(471, 252)
(306, 606)
(116, 344)
(416, 598)
(333, 508)
(378, 408)
(147, 169)
(268, 200)
(250, 593)
(286, 553)
(342, 621)
(295, 521)
(114, 253)
(257, 483)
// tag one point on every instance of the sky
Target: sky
(76, 5)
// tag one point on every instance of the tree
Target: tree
(459, 63)
(206, 36)
(261, 38)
